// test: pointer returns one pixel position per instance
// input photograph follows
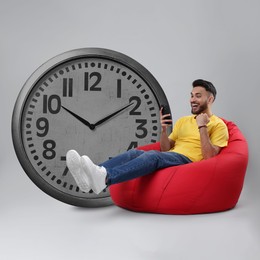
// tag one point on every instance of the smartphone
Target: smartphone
(166, 110)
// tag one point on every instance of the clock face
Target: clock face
(95, 101)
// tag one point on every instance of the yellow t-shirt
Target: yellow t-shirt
(187, 137)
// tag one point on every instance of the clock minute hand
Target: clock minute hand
(82, 120)
(111, 115)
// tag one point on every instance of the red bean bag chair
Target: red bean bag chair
(206, 186)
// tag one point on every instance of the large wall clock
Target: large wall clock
(97, 101)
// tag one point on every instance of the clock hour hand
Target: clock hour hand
(111, 115)
(82, 120)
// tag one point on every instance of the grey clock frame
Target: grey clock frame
(36, 76)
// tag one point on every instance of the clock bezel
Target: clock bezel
(29, 85)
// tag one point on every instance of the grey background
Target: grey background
(178, 41)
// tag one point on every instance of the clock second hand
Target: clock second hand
(111, 115)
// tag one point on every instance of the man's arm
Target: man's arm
(207, 148)
(165, 143)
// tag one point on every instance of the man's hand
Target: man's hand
(165, 143)
(165, 122)
(202, 119)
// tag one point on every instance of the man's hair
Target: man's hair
(205, 84)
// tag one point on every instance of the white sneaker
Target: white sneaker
(97, 175)
(74, 165)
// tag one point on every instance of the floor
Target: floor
(36, 226)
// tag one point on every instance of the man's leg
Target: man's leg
(122, 158)
(145, 163)
(84, 182)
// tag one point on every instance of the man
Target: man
(196, 137)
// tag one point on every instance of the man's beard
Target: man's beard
(200, 109)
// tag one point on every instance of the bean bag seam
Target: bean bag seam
(165, 187)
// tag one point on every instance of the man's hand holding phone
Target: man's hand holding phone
(165, 114)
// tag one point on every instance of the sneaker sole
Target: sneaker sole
(73, 163)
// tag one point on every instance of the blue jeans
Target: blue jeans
(135, 163)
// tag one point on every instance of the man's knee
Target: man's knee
(152, 154)
(133, 153)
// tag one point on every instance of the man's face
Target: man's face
(199, 100)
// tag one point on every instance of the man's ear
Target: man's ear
(211, 99)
